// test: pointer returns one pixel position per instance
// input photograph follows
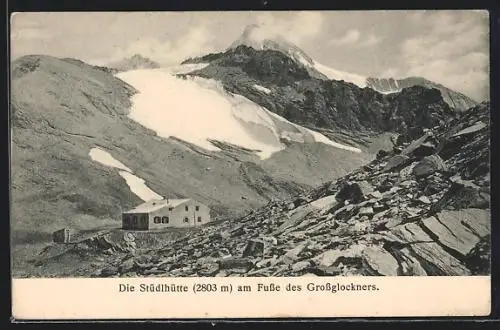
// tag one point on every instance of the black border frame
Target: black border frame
(193, 5)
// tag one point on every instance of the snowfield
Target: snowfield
(333, 74)
(137, 185)
(197, 110)
(103, 157)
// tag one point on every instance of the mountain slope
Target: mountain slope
(62, 110)
(454, 99)
(422, 209)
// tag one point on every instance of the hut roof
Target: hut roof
(157, 204)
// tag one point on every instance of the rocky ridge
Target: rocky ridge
(420, 209)
(317, 103)
(454, 99)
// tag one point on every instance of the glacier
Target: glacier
(198, 110)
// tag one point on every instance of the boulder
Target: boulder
(479, 258)
(330, 257)
(235, 263)
(382, 153)
(393, 222)
(436, 261)
(375, 194)
(424, 199)
(267, 262)
(409, 265)
(324, 271)
(208, 269)
(254, 248)
(477, 221)
(378, 261)
(462, 195)
(299, 201)
(452, 234)
(293, 254)
(425, 149)
(127, 265)
(429, 165)
(109, 271)
(366, 211)
(345, 212)
(407, 170)
(396, 163)
(354, 192)
(420, 147)
(301, 265)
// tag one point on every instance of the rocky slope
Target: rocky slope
(454, 99)
(420, 209)
(63, 108)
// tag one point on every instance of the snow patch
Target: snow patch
(323, 139)
(139, 187)
(136, 184)
(340, 75)
(314, 136)
(262, 89)
(103, 157)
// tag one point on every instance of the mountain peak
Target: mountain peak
(134, 62)
(258, 37)
(252, 36)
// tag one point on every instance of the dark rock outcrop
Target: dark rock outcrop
(300, 96)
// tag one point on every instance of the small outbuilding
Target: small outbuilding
(165, 213)
(62, 236)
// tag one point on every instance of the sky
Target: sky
(447, 47)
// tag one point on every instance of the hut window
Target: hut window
(164, 220)
(186, 219)
(199, 219)
(187, 208)
(157, 220)
(135, 219)
(170, 208)
(197, 208)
